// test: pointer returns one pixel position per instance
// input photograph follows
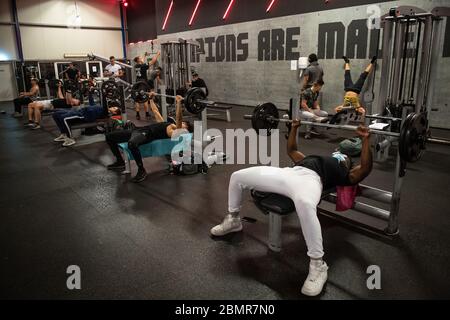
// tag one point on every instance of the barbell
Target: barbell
(412, 137)
(194, 100)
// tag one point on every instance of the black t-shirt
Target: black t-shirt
(199, 83)
(60, 104)
(330, 170)
(141, 71)
(156, 130)
(72, 73)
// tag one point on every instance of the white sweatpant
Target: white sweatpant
(309, 116)
(300, 184)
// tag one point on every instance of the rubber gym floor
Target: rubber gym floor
(60, 207)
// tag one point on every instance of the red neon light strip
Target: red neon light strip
(195, 12)
(228, 10)
(167, 15)
(270, 5)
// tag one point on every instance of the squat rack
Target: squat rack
(411, 44)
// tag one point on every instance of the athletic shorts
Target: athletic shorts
(46, 104)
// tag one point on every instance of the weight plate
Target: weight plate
(413, 137)
(110, 89)
(53, 83)
(265, 117)
(139, 92)
(70, 86)
(193, 100)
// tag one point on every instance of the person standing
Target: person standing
(71, 73)
(113, 69)
(312, 73)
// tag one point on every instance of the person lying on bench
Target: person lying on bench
(303, 183)
(35, 108)
(352, 90)
(64, 119)
(143, 135)
(26, 98)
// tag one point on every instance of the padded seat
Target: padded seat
(157, 148)
(273, 202)
(85, 125)
(276, 206)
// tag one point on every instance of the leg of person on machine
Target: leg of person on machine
(313, 174)
(352, 90)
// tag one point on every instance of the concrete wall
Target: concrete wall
(253, 81)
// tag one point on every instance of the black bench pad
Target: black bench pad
(272, 202)
(276, 203)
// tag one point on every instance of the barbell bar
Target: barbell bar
(411, 139)
(327, 125)
(194, 100)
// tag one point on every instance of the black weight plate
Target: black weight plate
(70, 85)
(266, 117)
(53, 83)
(192, 100)
(413, 137)
(139, 92)
(110, 89)
(115, 103)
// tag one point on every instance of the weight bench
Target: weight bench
(84, 125)
(276, 206)
(157, 148)
(224, 109)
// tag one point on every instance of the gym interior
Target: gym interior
(224, 149)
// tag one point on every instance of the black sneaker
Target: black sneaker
(147, 116)
(138, 116)
(140, 176)
(118, 165)
(347, 60)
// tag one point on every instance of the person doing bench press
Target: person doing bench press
(353, 89)
(64, 119)
(303, 183)
(141, 67)
(143, 135)
(26, 98)
(35, 108)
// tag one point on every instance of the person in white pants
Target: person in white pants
(310, 108)
(302, 183)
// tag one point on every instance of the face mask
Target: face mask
(339, 156)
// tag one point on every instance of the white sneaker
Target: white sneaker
(229, 224)
(321, 119)
(36, 126)
(316, 279)
(69, 142)
(313, 131)
(61, 138)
